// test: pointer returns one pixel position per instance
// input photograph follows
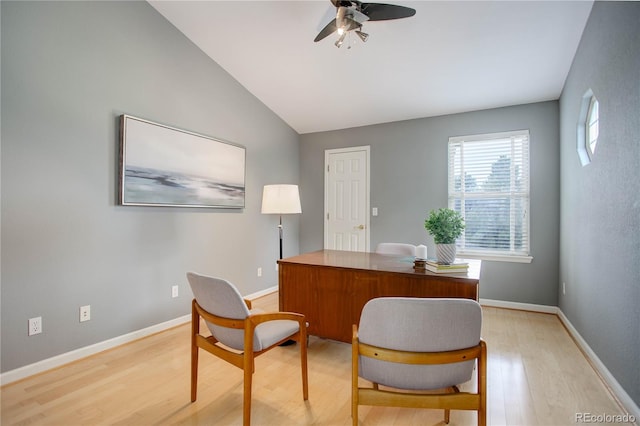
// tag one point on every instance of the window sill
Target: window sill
(496, 257)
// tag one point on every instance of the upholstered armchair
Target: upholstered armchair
(418, 344)
(239, 334)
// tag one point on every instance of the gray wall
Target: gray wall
(600, 209)
(69, 69)
(409, 178)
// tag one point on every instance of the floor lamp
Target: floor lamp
(281, 199)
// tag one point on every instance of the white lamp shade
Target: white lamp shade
(281, 199)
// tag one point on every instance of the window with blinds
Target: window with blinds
(489, 186)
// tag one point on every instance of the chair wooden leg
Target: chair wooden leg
(355, 391)
(303, 364)
(195, 330)
(246, 404)
(482, 384)
(194, 373)
(354, 409)
(447, 412)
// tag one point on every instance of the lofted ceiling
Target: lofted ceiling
(452, 56)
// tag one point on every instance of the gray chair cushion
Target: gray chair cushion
(271, 332)
(419, 325)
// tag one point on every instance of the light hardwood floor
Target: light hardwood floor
(536, 376)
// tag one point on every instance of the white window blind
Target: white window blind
(489, 186)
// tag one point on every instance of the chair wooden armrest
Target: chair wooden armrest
(274, 316)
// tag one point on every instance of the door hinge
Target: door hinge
(327, 216)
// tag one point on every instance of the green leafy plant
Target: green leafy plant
(445, 225)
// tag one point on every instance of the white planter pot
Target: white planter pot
(446, 253)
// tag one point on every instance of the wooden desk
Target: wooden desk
(331, 287)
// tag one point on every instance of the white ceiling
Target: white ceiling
(452, 56)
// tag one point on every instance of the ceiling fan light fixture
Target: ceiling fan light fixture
(363, 36)
(340, 40)
(351, 14)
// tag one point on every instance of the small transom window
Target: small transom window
(588, 127)
(592, 126)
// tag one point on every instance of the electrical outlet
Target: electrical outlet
(259, 272)
(174, 291)
(85, 313)
(35, 326)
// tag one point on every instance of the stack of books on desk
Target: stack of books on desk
(451, 268)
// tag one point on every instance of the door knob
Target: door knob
(361, 227)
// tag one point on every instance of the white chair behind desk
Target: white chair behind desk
(396, 248)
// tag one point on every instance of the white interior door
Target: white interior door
(346, 199)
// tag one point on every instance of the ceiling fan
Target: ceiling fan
(351, 14)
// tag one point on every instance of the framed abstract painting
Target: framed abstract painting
(165, 166)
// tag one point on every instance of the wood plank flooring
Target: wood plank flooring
(536, 376)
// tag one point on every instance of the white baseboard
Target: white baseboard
(59, 360)
(621, 395)
(545, 309)
(261, 293)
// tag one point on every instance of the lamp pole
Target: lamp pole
(280, 229)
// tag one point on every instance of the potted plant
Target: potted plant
(445, 225)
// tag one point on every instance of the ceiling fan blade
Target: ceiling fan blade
(329, 29)
(384, 12)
